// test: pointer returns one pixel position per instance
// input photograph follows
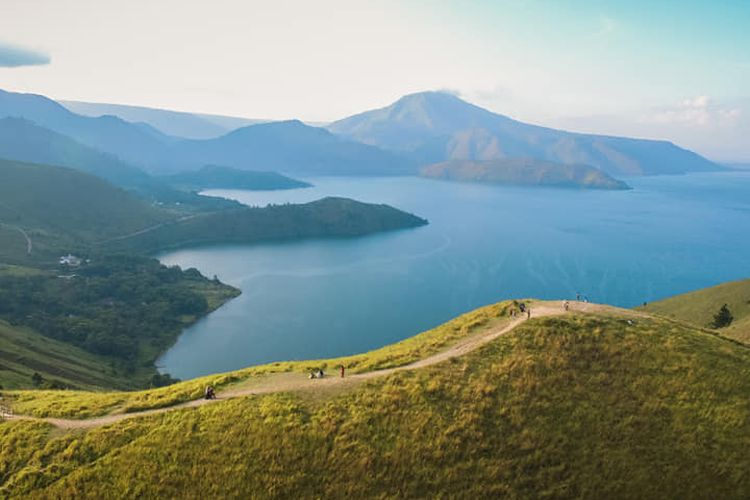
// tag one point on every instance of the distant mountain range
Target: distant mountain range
(64, 210)
(289, 146)
(23, 140)
(175, 123)
(523, 172)
(137, 144)
(218, 177)
(415, 131)
(432, 127)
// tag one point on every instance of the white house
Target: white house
(70, 260)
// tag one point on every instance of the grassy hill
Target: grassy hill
(24, 352)
(118, 303)
(699, 307)
(64, 210)
(596, 405)
(24, 141)
(523, 172)
(100, 324)
(326, 218)
(60, 208)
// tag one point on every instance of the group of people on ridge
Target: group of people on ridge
(319, 373)
(521, 307)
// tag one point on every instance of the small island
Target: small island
(523, 172)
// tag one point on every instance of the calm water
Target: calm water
(325, 298)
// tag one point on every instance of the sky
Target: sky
(676, 70)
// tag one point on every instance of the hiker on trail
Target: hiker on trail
(566, 305)
(522, 307)
(210, 393)
(528, 313)
(342, 371)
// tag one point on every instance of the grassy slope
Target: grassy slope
(23, 352)
(700, 306)
(61, 208)
(328, 217)
(86, 404)
(565, 407)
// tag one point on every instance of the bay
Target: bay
(323, 298)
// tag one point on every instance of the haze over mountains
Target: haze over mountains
(289, 146)
(417, 130)
(434, 126)
(176, 123)
(523, 172)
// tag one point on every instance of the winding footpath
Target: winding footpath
(286, 382)
(29, 243)
(150, 228)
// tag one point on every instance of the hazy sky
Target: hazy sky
(678, 70)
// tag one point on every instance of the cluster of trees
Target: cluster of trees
(42, 383)
(130, 308)
(723, 317)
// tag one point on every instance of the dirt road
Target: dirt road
(286, 382)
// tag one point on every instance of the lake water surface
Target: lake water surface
(324, 298)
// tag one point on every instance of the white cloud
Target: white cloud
(699, 111)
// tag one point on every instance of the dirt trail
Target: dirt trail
(285, 382)
(29, 243)
(148, 229)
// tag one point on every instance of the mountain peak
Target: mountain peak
(434, 126)
(430, 96)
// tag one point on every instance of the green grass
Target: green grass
(12, 270)
(24, 352)
(36, 305)
(326, 218)
(64, 209)
(580, 406)
(700, 306)
(12, 244)
(83, 404)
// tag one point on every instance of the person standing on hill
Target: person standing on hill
(528, 313)
(342, 371)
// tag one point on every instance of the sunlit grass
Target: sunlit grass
(575, 406)
(83, 404)
(699, 308)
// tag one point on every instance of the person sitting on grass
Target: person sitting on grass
(210, 393)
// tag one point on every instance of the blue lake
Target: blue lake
(324, 298)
